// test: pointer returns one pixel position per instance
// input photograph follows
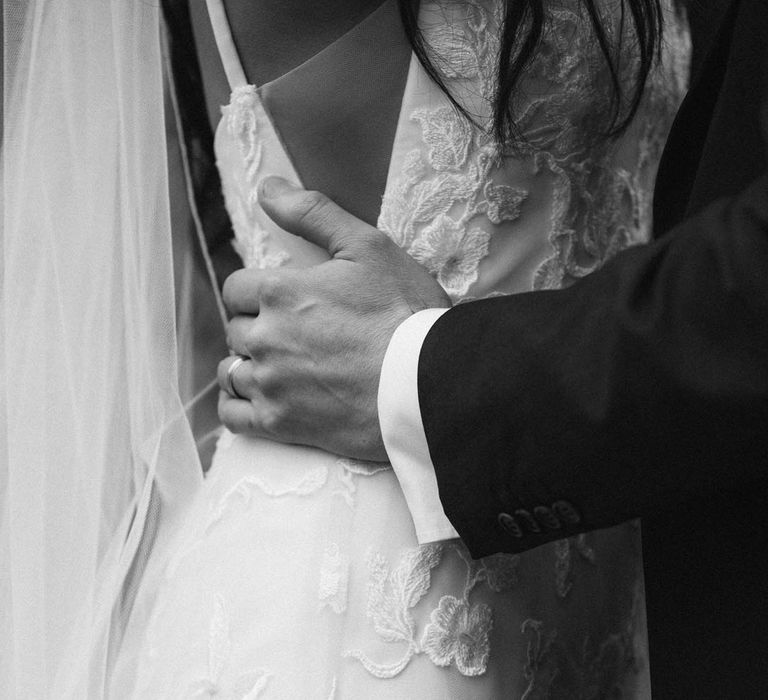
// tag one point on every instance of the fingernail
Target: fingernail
(273, 186)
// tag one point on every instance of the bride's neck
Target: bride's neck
(274, 36)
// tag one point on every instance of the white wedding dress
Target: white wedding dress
(299, 574)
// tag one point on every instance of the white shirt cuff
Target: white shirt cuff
(403, 431)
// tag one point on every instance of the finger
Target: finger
(251, 292)
(237, 415)
(314, 217)
(243, 337)
(241, 292)
(244, 383)
(251, 418)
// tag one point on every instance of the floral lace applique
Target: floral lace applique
(500, 571)
(446, 205)
(451, 252)
(454, 53)
(458, 630)
(562, 132)
(435, 207)
(244, 117)
(254, 252)
(564, 560)
(246, 686)
(303, 484)
(243, 126)
(431, 210)
(455, 195)
(391, 596)
(448, 137)
(334, 579)
(349, 469)
(503, 203)
(600, 669)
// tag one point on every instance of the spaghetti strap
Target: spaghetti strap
(226, 45)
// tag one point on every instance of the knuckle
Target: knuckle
(268, 381)
(244, 335)
(272, 419)
(256, 347)
(272, 289)
(373, 246)
(254, 341)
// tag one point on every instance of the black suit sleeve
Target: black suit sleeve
(634, 391)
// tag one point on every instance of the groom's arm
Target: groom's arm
(634, 391)
(640, 387)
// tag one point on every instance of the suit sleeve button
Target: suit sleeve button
(528, 520)
(547, 518)
(566, 512)
(509, 525)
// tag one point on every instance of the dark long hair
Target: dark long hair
(522, 29)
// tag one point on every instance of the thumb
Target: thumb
(314, 217)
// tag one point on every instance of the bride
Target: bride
(294, 573)
(300, 573)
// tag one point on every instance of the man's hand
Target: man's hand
(316, 337)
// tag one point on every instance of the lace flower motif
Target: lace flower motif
(451, 252)
(501, 571)
(348, 473)
(334, 579)
(448, 137)
(458, 632)
(454, 52)
(245, 686)
(504, 202)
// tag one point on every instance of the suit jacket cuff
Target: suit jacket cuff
(403, 431)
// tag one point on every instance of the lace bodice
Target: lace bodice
(486, 220)
(299, 574)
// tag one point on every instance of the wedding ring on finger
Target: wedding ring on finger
(229, 378)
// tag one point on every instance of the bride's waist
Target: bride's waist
(281, 469)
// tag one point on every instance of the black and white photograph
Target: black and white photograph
(384, 350)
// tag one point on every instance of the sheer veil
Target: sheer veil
(96, 457)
